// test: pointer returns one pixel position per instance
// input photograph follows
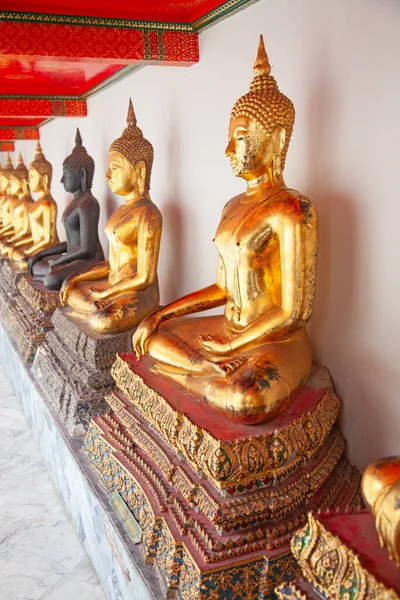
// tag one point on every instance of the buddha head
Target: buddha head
(5, 175)
(130, 160)
(261, 125)
(19, 179)
(78, 169)
(40, 172)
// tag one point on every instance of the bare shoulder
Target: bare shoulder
(230, 205)
(151, 212)
(298, 206)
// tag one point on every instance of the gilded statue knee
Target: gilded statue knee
(253, 400)
(102, 322)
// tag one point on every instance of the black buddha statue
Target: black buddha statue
(80, 219)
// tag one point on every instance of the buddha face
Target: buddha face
(71, 180)
(16, 187)
(35, 180)
(122, 178)
(4, 183)
(251, 150)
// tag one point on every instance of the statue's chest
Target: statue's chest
(70, 218)
(122, 227)
(243, 233)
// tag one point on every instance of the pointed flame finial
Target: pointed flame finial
(78, 138)
(39, 148)
(131, 118)
(20, 159)
(262, 66)
(9, 163)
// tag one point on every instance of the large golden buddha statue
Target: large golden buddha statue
(247, 363)
(42, 217)
(115, 295)
(20, 207)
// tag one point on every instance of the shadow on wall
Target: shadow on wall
(336, 315)
(173, 220)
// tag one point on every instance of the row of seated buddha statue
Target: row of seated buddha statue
(245, 363)
(251, 365)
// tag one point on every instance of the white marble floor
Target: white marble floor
(41, 557)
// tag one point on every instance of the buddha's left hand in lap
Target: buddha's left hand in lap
(98, 294)
(216, 346)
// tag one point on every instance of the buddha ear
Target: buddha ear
(83, 177)
(45, 179)
(142, 172)
(24, 187)
(278, 139)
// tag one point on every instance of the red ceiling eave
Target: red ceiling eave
(58, 42)
(7, 147)
(19, 133)
(41, 107)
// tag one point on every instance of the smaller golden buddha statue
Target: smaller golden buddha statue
(20, 207)
(6, 228)
(380, 486)
(115, 295)
(42, 217)
(247, 363)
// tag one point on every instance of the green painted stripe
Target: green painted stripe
(18, 127)
(146, 43)
(31, 17)
(161, 48)
(37, 97)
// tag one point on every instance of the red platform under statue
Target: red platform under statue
(219, 502)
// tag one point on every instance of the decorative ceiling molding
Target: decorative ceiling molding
(50, 63)
(19, 133)
(225, 10)
(7, 147)
(55, 42)
(31, 17)
(41, 107)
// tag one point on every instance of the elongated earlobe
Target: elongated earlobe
(141, 167)
(83, 175)
(277, 167)
(279, 138)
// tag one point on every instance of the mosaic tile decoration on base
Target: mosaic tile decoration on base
(28, 319)
(340, 555)
(219, 505)
(8, 285)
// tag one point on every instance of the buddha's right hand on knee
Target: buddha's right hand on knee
(67, 286)
(141, 337)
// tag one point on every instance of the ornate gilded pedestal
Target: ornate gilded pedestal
(73, 368)
(340, 555)
(218, 502)
(296, 590)
(8, 285)
(28, 318)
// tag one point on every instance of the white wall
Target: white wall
(339, 63)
